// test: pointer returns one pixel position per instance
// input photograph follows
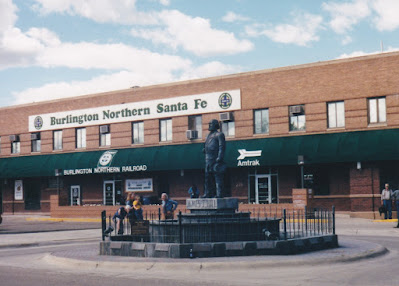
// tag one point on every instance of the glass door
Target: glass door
(75, 195)
(263, 190)
(109, 193)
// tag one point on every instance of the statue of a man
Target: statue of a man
(215, 145)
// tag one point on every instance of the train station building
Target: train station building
(331, 127)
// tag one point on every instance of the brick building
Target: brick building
(328, 126)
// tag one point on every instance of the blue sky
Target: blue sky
(53, 49)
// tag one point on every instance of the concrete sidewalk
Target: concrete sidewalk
(350, 249)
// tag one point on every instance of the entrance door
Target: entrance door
(32, 195)
(109, 193)
(263, 190)
(75, 195)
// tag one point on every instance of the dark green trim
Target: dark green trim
(361, 146)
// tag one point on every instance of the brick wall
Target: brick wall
(352, 80)
(94, 211)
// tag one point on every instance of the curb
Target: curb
(46, 243)
(221, 264)
(63, 219)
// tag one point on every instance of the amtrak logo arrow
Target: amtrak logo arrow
(244, 153)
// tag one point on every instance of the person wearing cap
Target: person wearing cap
(386, 200)
(119, 216)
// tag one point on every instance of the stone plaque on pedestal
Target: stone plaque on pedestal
(212, 205)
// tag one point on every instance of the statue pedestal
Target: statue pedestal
(213, 210)
(223, 205)
(213, 220)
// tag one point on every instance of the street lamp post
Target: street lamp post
(301, 163)
(58, 173)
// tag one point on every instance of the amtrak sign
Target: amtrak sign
(178, 106)
(244, 154)
(104, 166)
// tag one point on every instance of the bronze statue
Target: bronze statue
(215, 145)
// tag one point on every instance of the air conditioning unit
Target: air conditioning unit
(296, 109)
(192, 134)
(104, 129)
(14, 138)
(226, 116)
(35, 136)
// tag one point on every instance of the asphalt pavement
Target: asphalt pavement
(42, 230)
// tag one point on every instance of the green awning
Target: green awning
(376, 145)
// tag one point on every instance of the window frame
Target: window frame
(80, 138)
(165, 130)
(380, 117)
(16, 146)
(194, 122)
(228, 128)
(58, 140)
(104, 137)
(255, 123)
(36, 144)
(294, 119)
(338, 122)
(139, 133)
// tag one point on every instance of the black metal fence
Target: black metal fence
(258, 226)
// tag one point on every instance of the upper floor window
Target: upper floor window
(105, 135)
(297, 117)
(261, 121)
(165, 130)
(36, 142)
(336, 114)
(227, 126)
(57, 140)
(377, 110)
(138, 132)
(15, 144)
(80, 135)
(195, 124)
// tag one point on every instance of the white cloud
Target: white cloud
(233, 17)
(130, 66)
(301, 32)
(346, 15)
(387, 14)
(108, 57)
(169, 27)
(165, 2)
(210, 69)
(8, 15)
(346, 40)
(102, 11)
(194, 35)
(362, 53)
(119, 80)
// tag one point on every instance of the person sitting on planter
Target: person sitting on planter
(137, 206)
(119, 216)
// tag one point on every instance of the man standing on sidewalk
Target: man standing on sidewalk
(386, 199)
(395, 196)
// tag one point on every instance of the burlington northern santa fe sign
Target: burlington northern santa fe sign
(169, 107)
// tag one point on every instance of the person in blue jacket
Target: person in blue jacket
(168, 206)
(193, 192)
